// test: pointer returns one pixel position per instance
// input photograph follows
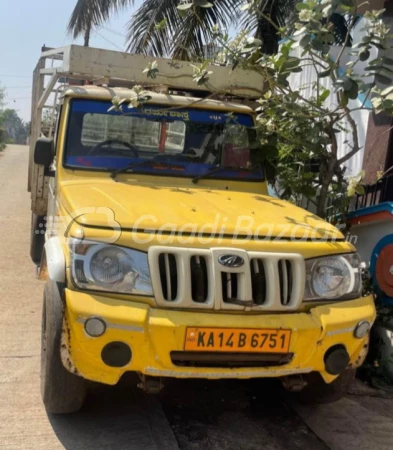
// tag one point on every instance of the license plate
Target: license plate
(237, 340)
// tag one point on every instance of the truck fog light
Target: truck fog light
(336, 360)
(95, 327)
(116, 354)
(362, 328)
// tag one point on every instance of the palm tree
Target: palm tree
(182, 37)
(178, 37)
(157, 29)
(90, 13)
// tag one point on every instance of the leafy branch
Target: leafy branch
(298, 125)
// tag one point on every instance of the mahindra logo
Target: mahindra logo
(232, 261)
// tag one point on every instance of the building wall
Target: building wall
(377, 156)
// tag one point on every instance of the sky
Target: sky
(27, 25)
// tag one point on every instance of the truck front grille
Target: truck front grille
(195, 278)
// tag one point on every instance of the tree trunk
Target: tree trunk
(87, 36)
(323, 194)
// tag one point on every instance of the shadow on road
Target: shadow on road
(231, 414)
(208, 415)
(119, 417)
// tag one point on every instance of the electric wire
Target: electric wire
(109, 41)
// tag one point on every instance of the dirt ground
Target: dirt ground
(187, 414)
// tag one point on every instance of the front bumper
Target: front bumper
(153, 334)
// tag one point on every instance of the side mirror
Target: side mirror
(44, 152)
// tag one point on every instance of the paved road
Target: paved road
(187, 415)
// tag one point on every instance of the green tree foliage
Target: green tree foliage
(16, 129)
(12, 128)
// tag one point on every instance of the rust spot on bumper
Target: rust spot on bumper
(362, 355)
(64, 349)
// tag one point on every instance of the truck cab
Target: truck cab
(165, 256)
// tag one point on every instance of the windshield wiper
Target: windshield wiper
(211, 172)
(130, 167)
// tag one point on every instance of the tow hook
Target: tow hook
(150, 385)
(293, 384)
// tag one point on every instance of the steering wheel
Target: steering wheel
(191, 152)
(97, 148)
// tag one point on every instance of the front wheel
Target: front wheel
(62, 392)
(317, 391)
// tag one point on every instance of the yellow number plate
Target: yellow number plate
(237, 340)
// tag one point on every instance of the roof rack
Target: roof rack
(120, 69)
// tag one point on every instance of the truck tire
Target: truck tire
(37, 237)
(317, 391)
(62, 392)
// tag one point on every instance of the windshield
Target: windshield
(185, 142)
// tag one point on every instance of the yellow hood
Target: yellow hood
(185, 210)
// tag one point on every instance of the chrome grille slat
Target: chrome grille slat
(266, 281)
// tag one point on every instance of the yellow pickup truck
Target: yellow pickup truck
(164, 255)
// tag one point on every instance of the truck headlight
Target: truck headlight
(110, 268)
(333, 277)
